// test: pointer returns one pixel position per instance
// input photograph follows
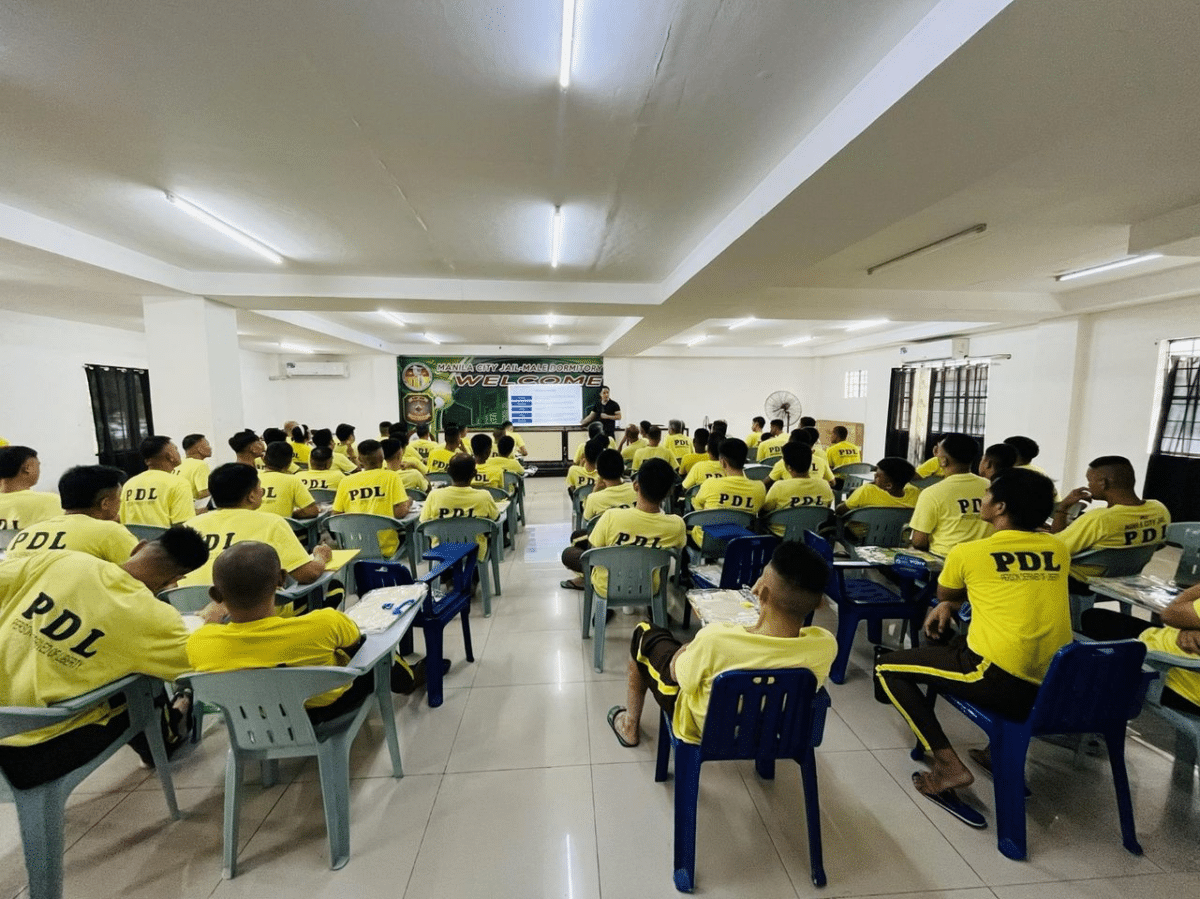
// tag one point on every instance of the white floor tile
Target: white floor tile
(535, 657)
(526, 726)
(1148, 886)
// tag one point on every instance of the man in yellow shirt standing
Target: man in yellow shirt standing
(842, 451)
(70, 623)
(193, 468)
(157, 497)
(732, 491)
(1016, 580)
(284, 494)
(948, 512)
(21, 506)
(91, 498)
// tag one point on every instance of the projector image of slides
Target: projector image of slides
(545, 405)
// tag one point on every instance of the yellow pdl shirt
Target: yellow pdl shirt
(1114, 526)
(283, 493)
(373, 492)
(652, 452)
(345, 449)
(1016, 582)
(844, 453)
(157, 498)
(796, 492)
(1162, 639)
(440, 458)
(413, 480)
(720, 647)
(931, 467)
(423, 447)
(680, 445)
(293, 468)
(509, 464)
(320, 638)
(301, 452)
(578, 457)
(702, 471)
(222, 528)
(753, 439)
(105, 540)
(489, 475)
(949, 512)
(618, 496)
(71, 623)
(869, 496)
(735, 492)
(415, 459)
(460, 502)
(691, 459)
(633, 527)
(27, 507)
(578, 476)
(770, 448)
(629, 450)
(321, 480)
(3, 442)
(195, 473)
(820, 469)
(518, 441)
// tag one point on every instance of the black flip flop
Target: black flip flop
(948, 799)
(612, 723)
(570, 585)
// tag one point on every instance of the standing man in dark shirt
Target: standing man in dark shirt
(607, 411)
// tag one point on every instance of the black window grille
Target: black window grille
(1179, 418)
(121, 414)
(900, 403)
(958, 400)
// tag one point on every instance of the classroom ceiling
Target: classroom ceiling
(712, 161)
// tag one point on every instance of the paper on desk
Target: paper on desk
(341, 558)
(732, 606)
(369, 612)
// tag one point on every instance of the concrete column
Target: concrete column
(195, 369)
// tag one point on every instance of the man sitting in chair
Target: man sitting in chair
(734, 490)
(462, 499)
(91, 500)
(611, 492)
(1016, 580)
(800, 488)
(680, 675)
(948, 513)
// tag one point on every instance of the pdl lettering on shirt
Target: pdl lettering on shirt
(1030, 565)
(456, 513)
(733, 501)
(970, 506)
(213, 541)
(802, 501)
(141, 494)
(1142, 535)
(362, 493)
(64, 627)
(39, 540)
(624, 539)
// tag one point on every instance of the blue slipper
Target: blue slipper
(612, 723)
(948, 799)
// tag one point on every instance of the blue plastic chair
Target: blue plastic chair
(745, 559)
(1089, 688)
(437, 611)
(762, 715)
(41, 809)
(860, 600)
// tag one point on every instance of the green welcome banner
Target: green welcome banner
(473, 390)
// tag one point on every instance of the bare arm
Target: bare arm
(940, 616)
(310, 571)
(309, 511)
(1181, 613)
(920, 540)
(399, 510)
(1063, 509)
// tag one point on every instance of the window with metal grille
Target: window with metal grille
(1179, 411)
(856, 384)
(958, 399)
(121, 414)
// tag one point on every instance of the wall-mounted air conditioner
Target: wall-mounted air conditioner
(936, 350)
(316, 370)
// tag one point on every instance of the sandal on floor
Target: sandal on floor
(570, 585)
(612, 723)
(948, 799)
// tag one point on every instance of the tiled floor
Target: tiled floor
(516, 788)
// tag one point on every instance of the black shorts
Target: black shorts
(652, 648)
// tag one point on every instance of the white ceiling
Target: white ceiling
(712, 160)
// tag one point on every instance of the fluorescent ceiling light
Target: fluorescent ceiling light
(556, 232)
(696, 340)
(392, 316)
(430, 337)
(739, 324)
(228, 230)
(296, 348)
(549, 319)
(795, 340)
(863, 325)
(568, 41)
(549, 340)
(1106, 267)
(940, 244)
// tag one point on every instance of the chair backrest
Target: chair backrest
(854, 468)
(798, 519)
(757, 472)
(414, 493)
(458, 530)
(885, 526)
(582, 492)
(6, 535)
(701, 517)
(513, 481)
(630, 570)
(145, 531)
(187, 600)
(1090, 687)
(852, 482)
(762, 714)
(360, 531)
(321, 495)
(499, 494)
(438, 479)
(745, 559)
(833, 585)
(1117, 561)
(922, 483)
(1186, 535)
(264, 707)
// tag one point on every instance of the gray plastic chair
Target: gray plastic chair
(631, 572)
(757, 472)
(264, 711)
(500, 495)
(1187, 727)
(922, 483)
(854, 468)
(321, 496)
(464, 530)
(515, 485)
(416, 495)
(40, 810)
(885, 526)
(145, 531)
(6, 536)
(187, 600)
(1113, 561)
(797, 520)
(577, 500)
(1186, 535)
(438, 479)
(359, 531)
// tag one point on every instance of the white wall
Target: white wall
(662, 388)
(46, 402)
(369, 395)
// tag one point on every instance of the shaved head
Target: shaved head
(245, 574)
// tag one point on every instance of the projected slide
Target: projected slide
(545, 405)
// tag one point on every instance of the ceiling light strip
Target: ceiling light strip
(556, 235)
(568, 43)
(392, 317)
(1106, 267)
(796, 340)
(225, 228)
(697, 340)
(742, 323)
(863, 325)
(957, 237)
